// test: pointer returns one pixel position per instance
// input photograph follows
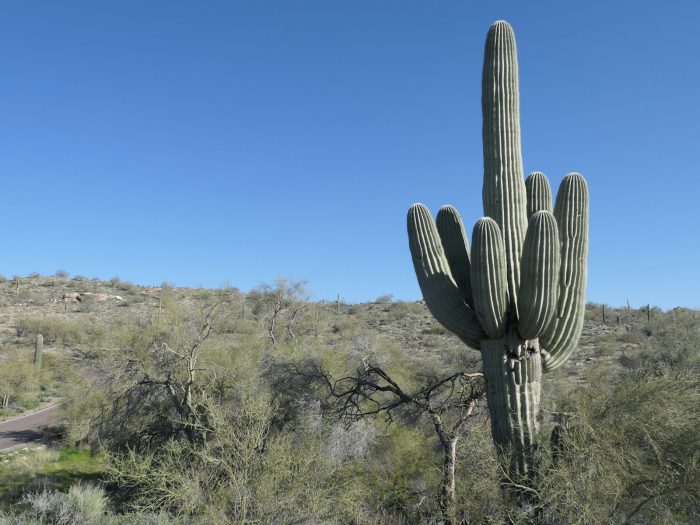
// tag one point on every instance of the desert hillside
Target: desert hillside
(267, 404)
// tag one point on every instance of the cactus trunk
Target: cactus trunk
(38, 351)
(520, 297)
(513, 372)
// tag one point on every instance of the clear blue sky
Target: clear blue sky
(211, 142)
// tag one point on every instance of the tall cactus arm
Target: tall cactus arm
(454, 242)
(539, 194)
(539, 289)
(489, 284)
(441, 294)
(571, 211)
(504, 186)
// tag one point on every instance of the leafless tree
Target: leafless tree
(371, 391)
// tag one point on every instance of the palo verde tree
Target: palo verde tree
(519, 297)
(154, 386)
(280, 308)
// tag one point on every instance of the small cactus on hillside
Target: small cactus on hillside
(38, 351)
(519, 296)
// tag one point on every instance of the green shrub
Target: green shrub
(632, 452)
(62, 331)
(434, 329)
(84, 504)
(384, 299)
(348, 327)
(17, 383)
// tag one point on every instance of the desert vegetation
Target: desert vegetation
(182, 409)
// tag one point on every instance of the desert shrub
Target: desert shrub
(632, 453)
(354, 309)
(627, 337)
(204, 294)
(479, 478)
(384, 299)
(403, 478)
(675, 344)
(434, 329)
(126, 286)
(62, 331)
(240, 473)
(330, 495)
(28, 464)
(17, 382)
(399, 311)
(349, 440)
(245, 327)
(347, 327)
(281, 309)
(83, 504)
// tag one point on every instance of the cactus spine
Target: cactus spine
(519, 297)
(38, 351)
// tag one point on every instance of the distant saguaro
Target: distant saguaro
(38, 351)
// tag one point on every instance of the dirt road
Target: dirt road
(22, 430)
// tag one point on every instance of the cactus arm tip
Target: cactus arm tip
(489, 282)
(539, 193)
(454, 242)
(540, 275)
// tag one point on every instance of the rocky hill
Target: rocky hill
(74, 312)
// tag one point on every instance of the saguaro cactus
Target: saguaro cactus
(38, 351)
(519, 297)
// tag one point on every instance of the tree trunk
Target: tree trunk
(447, 487)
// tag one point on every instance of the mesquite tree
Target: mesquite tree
(520, 296)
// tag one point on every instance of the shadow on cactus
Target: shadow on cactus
(519, 297)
